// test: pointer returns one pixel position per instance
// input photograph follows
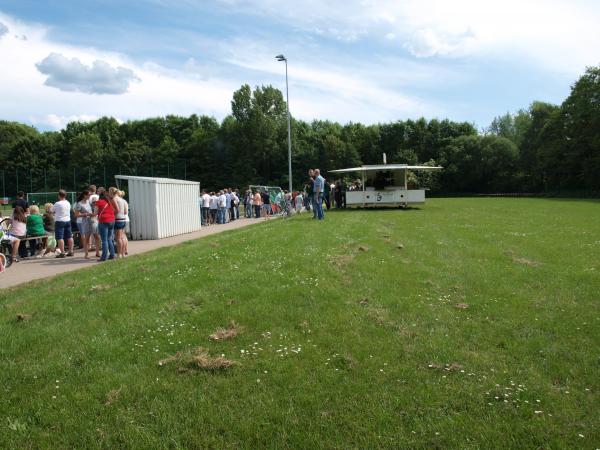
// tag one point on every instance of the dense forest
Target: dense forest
(544, 148)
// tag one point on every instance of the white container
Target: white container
(161, 207)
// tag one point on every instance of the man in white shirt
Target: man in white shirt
(234, 202)
(214, 208)
(62, 224)
(95, 233)
(205, 205)
(222, 204)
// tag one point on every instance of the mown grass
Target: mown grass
(468, 323)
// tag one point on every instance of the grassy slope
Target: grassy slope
(528, 270)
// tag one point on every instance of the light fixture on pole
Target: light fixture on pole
(287, 105)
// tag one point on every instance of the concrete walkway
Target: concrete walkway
(34, 269)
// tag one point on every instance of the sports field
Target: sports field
(467, 323)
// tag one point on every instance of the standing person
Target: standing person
(83, 212)
(318, 194)
(126, 229)
(311, 191)
(214, 207)
(62, 224)
(237, 205)
(205, 198)
(18, 230)
(337, 194)
(248, 204)
(105, 211)
(287, 198)
(327, 194)
(227, 206)
(257, 203)
(94, 220)
(121, 219)
(222, 204)
(299, 202)
(235, 201)
(266, 203)
(20, 201)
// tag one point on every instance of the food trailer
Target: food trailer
(384, 185)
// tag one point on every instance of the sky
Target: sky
(369, 61)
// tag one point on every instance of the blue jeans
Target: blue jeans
(313, 201)
(107, 236)
(204, 216)
(319, 206)
(221, 215)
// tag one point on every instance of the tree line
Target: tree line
(544, 148)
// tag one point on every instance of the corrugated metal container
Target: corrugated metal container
(162, 207)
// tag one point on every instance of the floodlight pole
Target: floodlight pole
(289, 126)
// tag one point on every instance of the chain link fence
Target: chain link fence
(78, 178)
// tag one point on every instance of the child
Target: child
(48, 219)
(35, 228)
(18, 230)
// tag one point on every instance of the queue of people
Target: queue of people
(99, 217)
(219, 207)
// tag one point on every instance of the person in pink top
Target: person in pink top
(18, 230)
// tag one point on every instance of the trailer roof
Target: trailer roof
(155, 179)
(379, 167)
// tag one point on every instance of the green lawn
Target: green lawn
(467, 323)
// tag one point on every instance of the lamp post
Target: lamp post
(287, 105)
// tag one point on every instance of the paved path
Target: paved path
(34, 269)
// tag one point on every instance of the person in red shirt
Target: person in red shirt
(105, 208)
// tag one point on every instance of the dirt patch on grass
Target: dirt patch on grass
(525, 261)
(222, 334)
(452, 367)
(101, 287)
(341, 261)
(461, 306)
(363, 248)
(198, 360)
(214, 244)
(381, 317)
(21, 317)
(112, 396)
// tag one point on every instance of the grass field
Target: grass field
(468, 323)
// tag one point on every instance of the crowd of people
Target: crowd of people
(98, 218)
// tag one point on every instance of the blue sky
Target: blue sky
(353, 60)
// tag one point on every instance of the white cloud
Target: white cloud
(57, 122)
(366, 92)
(71, 75)
(426, 42)
(562, 35)
(25, 96)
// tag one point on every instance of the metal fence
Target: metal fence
(78, 178)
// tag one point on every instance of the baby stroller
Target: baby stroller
(5, 245)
